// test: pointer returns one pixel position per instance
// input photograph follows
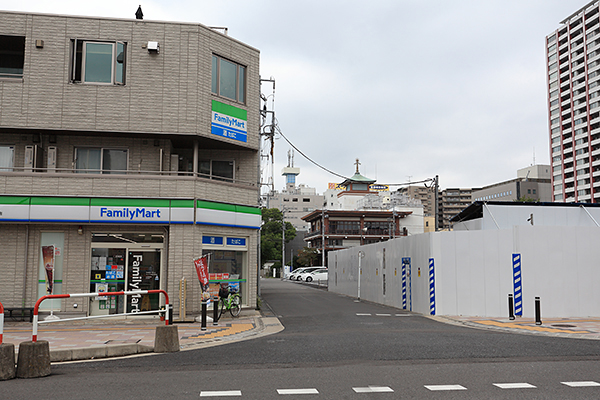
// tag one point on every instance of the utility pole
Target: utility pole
(282, 240)
(437, 209)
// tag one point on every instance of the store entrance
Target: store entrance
(130, 266)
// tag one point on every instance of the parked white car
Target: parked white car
(318, 275)
(296, 276)
(305, 274)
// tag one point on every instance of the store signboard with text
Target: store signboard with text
(129, 211)
(228, 121)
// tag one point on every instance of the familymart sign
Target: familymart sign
(228, 121)
(127, 211)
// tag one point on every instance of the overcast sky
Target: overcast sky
(412, 88)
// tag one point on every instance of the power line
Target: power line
(307, 157)
(335, 173)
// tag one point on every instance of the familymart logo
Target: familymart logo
(130, 213)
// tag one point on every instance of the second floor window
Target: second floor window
(7, 158)
(98, 62)
(93, 160)
(216, 169)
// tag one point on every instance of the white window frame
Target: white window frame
(79, 64)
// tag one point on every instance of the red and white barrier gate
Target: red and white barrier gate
(1, 322)
(66, 296)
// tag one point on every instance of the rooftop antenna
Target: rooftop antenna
(139, 14)
(533, 155)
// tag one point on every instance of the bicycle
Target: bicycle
(233, 303)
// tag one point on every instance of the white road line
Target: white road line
(363, 315)
(383, 315)
(515, 385)
(297, 391)
(581, 384)
(221, 393)
(434, 388)
(373, 389)
(403, 315)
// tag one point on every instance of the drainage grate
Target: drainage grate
(123, 341)
(564, 326)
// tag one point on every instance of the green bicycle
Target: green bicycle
(232, 302)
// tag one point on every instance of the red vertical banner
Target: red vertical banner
(201, 265)
(48, 256)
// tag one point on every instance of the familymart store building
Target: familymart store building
(89, 244)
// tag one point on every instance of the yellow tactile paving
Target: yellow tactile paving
(222, 331)
(525, 326)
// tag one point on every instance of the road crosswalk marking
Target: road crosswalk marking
(221, 393)
(434, 388)
(297, 391)
(515, 385)
(387, 389)
(373, 389)
(581, 384)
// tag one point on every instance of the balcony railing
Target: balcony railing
(116, 174)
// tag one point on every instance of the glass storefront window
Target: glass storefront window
(125, 262)
(228, 259)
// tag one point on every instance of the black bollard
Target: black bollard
(511, 307)
(538, 312)
(203, 319)
(216, 310)
(170, 314)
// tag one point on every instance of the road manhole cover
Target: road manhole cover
(564, 326)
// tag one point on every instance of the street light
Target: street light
(323, 216)
(361, 254)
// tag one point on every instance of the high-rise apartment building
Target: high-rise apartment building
(573, 78)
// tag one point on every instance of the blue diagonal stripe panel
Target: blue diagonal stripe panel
(516, 261)
(431, 287)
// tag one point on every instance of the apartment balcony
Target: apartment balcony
(151, 184)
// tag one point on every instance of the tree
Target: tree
(308, 256)
(270, 235)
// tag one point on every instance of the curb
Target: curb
(476, 325)
(264, 326)
(92, 353)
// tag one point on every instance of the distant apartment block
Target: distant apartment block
(451, 202)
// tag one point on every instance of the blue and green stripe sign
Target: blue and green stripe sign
(228, 121)
(126, 210)
(210, 213)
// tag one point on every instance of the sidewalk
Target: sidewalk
(575, 328)
(74, 340)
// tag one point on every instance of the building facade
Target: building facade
(127, 149)
(532, 184)
(573, 82)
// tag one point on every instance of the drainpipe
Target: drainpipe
(25, 269)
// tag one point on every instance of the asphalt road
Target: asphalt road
(335, 348)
